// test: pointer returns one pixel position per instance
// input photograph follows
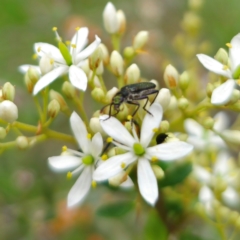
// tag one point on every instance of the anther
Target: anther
(109, 140)
(69, 175)
(64, 148)
(123, 165)
(104, 157)
(229, 45)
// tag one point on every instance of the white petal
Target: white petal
(110, 18)
(202, 175)
(64, 162)
(234, 52)
(49, 78)
(88, 50)
(50, 50)
(116, 130)
(221, 121)
(222, 165)
(81, 187)
(198, 143)
(222, 94)
(217, 142)
(193, 128)
(205, 194)
(80, 39)
(213, 65)
(127, 184)
(170, 151)
(117, 180)
(113, 166)
(147, 181)
(78, 77)
(24, 68)
(80, 133)
(231, 197)
(97, 145)
(150, 122)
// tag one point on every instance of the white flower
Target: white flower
(139, 150)
(83, 162)
(8, 111)
(66, 59)
(222, 94)
(203, 139)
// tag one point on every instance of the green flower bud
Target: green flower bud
(164, 126)
(231, 136)
(222, 56)
(209, 89)
(100, 69)
(132, 74)
(208, 123)
(95, 58)
(53, 108)
(140, 40)
(235, 96)
(8, 111)
(237, 223)
(173, 103)
(110, 94)
(195, 4)
(158, 172)
(224, 213)
(233, 216)
(171, 77)
(33, 75)
(8, 91)
(98, 94)
(68, 90)
(22, 142)
(128, 52)
(95, 126)
(117, 64)
(105, 53)
(115, 151)
(57, 96)
(121, 22)
(191, 23)
(3, 133)
(184, 80)
(183, 103)
(110, 20)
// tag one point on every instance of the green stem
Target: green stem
(39, 109)
(45, 104)
(102, 84)
(116, 42)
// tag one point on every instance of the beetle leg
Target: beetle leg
(134, 103)
(157, 92)
(144, 107)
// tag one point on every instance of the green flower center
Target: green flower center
(65, 53)
(138, 149)
(88, 160)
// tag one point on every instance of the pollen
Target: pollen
(129, 117)
(154, 159)
(109, 140)
(123, 165)
(54, 29)
(68, 43)
(64, 148)
(225, 67)
(77, 28)
(73, 45)
(89, 135)
(69, 175)
(104, 157)
(94, 184)
(155, 130)
(229, 45)
(34, 56)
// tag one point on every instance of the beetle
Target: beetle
(131, 94)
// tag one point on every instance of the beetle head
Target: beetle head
(117, 101)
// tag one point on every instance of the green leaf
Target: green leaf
(176, 174)
(155, 228)
(115, 209)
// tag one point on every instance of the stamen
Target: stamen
(54, 29)
(229, 45)
(64, 148)
(69, 175)
(39, 49)
(225, 67)
(104, 157)
(129, 117)
(94, 184)
(56, 33)
(77, 28)
(52, 61)
(154, 159)
(68, 43)
(238, 81)
(155, 130)
(123, 165)
(109, 140)
(89, 136)
(35, 56)
(73, 45)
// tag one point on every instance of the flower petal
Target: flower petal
(49, 78)
(97, 145)
(110, 18)
(50, 50)
(213, 65)
(78, 77)
(128, 183)
(231, 198)
(202, 175)
(113, 166)
(147, 181)
(170, 151)
(217, 142)
(221, 121)
(80, 133)
(150, 122)
(198, 143)
(222, 166)
(81, 187)
(88, 50)
(205, 195)
(80, 39)
(222, 94)
(193, 128)
(64, 162)
(116, 130)
(234, 52)
(24, 68)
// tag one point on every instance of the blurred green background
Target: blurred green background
(32, 198)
